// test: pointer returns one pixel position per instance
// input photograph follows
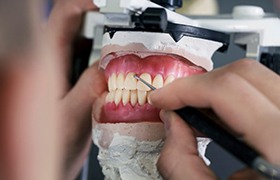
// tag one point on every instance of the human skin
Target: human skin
(63, 26)
(245, 96)
(44, 121)
(74, 103)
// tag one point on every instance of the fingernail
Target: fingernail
(165, 117)
(149, 98)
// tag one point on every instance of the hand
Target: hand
(36, 98)
(245, 95)
(74, 104)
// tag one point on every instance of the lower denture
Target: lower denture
(159, 70)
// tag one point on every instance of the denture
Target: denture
(127, 128)
(127, 97)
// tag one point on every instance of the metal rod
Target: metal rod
(145, 82)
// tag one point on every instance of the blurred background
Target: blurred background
(222, 163)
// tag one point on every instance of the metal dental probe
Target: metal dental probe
(238, 148)
(145, 82)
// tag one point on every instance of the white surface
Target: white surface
(92, 19)
(267, 28)
(247, 12)
(127, 158)
(248, 19)
(100, 3)
(141, 5)
(199, 51)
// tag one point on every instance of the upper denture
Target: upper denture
(154, 64)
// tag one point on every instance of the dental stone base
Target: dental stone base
(127, 158)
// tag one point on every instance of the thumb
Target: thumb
(76, 116)
(78, 102)
(179, 158)
(90, 86)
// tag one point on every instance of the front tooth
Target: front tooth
(142, 96)
(120, 81)
(118, 96)
(158, 81)
(141, 86)
(112, 82)
(125, 96)
(148, 94)
(130, 82)
(110, 97)
(133, 97)
(168, 80)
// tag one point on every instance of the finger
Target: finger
(77, 114)
(28, 131)
(90, 86)
(179, 157)
(239, 105)
(65, 20)
(63, 26)
(97, 108)
(253, 72)
(246, 174)
(79, 100)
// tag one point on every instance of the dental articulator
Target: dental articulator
(155, 26)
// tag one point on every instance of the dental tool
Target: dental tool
(238, 148)
(145, 82)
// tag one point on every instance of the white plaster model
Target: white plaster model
(130, 151)
(198, 51)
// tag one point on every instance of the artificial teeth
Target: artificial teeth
(120, 81)
(125, 96)
(148, 94)
(118, 96)
(110, 96)
(112, 82)
(158, 81)
(169, 79)
(141, 86)
(128, 89)
(130, 82)
(133, 97)
(142, 96)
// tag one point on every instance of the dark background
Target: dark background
(222, 163)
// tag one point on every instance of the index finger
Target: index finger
(62, 28)
(66, 18)
(258, 76)
(239, 105)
